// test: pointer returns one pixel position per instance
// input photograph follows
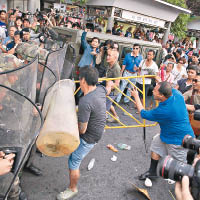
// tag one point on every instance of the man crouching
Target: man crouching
(91, 123)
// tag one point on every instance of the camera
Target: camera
(197, 115)
(174, 169)
(191, 143)
(169, 168)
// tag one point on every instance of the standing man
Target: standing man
(130, 68)
(90, 51)
(113, 71)
(91, 123)
(172, 116)
(147, 67)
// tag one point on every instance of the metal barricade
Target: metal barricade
(135, 121)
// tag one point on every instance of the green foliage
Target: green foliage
(80, 2)
(179, 27)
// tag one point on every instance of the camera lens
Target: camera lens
(191, 143)
(169, 168)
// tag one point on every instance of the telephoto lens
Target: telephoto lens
(169, 168)
(191, 143)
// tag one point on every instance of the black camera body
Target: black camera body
(197, 115)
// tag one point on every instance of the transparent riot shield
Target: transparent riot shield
(52, 71)
(22, 79)
(20, 124)
(69, 63)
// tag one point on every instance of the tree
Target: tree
(194, 6)
(179, 27)
(80, 2)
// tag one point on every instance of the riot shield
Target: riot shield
(52, 72)
(22, 79)
(69, 63)
(20, 124)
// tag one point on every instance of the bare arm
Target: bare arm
(135, 94)
(122, 69)
(110, 85)
(190, 107)
(82, 127)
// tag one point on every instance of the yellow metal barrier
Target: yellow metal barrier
(122, 124)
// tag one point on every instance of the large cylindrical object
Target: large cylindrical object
(59, 135)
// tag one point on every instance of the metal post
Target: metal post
(165, 38)
(110, 20)
(31, 6)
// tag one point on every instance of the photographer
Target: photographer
(172, 116)
(182, 189)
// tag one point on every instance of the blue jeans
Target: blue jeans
(123, 85)
(79, 154)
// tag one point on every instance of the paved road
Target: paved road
(107, 180)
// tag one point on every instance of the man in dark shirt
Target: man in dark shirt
(91, 123)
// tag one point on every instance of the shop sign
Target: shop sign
(142, 19)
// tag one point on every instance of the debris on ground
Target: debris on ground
(91, 164)
(143, 191)
(111, 147)
(124, 146)
(114, 158)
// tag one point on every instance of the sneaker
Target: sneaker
(126, 114)
(147, 174)
(112, 120)
(67, 194)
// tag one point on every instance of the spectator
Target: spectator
(185, 84)
(3, 21)
(18, 23)
(192, 97)
(10, 47)
(167, 76)
(129, 68)
(178, 54)
(113, 71)
(114, 29)
(128, 32)
(12, 20)
(101, 59)
(108, 31)
(195, 59)
(120, 30)
(147, 67)
(179, 71)
(8, 39)
(90, 51)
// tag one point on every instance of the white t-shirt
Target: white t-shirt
(145, 71)
(178, 74)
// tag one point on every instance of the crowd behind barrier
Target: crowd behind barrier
(24, 36)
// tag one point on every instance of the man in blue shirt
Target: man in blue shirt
(172, 116)
(90, 51)
(129, 68)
